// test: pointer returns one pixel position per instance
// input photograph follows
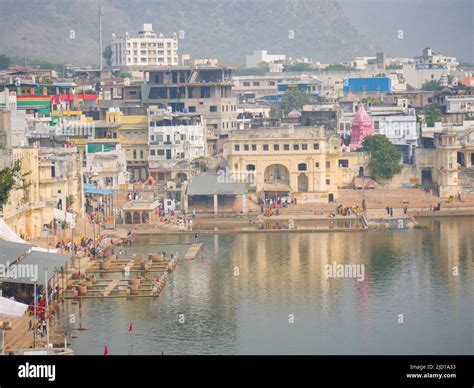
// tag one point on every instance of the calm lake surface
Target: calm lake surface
(242, 293)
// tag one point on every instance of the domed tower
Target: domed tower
(361, 127)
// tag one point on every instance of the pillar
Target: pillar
(244, 203)
(215, 203)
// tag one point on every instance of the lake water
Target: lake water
(270, 294)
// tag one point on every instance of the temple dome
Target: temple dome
(294, 114)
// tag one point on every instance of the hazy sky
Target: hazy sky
(444, 25)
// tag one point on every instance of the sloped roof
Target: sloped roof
(214, 183)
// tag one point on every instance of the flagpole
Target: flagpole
(34, 313)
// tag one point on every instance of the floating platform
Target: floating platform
(193, 251)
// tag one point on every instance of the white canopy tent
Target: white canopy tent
(8, 234)
(12, 309)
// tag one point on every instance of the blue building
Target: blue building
(368, 85)
(312, 88)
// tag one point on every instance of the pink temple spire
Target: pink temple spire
(361, 127)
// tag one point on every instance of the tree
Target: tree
(5, 62)
(433, 114)
(385, 158)
(11, 178)
(107, 55)
(338, 67)
(298, 67)
(432, 85)
(294, 99)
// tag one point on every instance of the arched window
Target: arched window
(302, 167)
(250, 167)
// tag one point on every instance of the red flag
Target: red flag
(130, 328)
(106, 351)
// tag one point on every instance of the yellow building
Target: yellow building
(132, 133)
(53, 190)
(302, 161)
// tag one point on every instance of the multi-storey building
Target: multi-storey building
(261, 56)
(147, 49)
(460, 104)
(174, 138)
(302, 161)
(132, 134)
(434, 59)
(52, 194)
(203, 90)
(105, 165)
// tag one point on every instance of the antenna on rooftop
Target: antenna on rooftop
(100, 12)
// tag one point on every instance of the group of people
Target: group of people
(67, 246)
(348, 210)
(135, 196)
(270, 206)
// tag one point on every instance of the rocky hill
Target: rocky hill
(227, 29)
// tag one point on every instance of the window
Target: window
(213, 108)
(160, 152)
(296, 147)
(191, 109)
(304, 147)
(134, 154)
(317, 164)
(265, 147)
(316, 146)
(237, 147)
(141, 154)
(276, 147)
(152, 152)
(328, 182)
(246, 83)
(254, 147)
(376, 124)
(328, 164)
(343, 163)
(302, 167)
(246, 147)
(256, 83)
(286, 147)
(271, 83)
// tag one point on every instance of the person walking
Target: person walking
(43, 325)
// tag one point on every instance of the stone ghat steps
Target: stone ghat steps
(19, 336)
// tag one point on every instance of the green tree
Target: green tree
(432, 85)
(11, 178)
(338, 67)
(433, 114)
(294, 99)
(385, 158)
(299, 67)
(107, 55)
(5, 62)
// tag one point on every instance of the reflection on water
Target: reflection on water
(240, 294)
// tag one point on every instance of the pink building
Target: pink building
(361, 127)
